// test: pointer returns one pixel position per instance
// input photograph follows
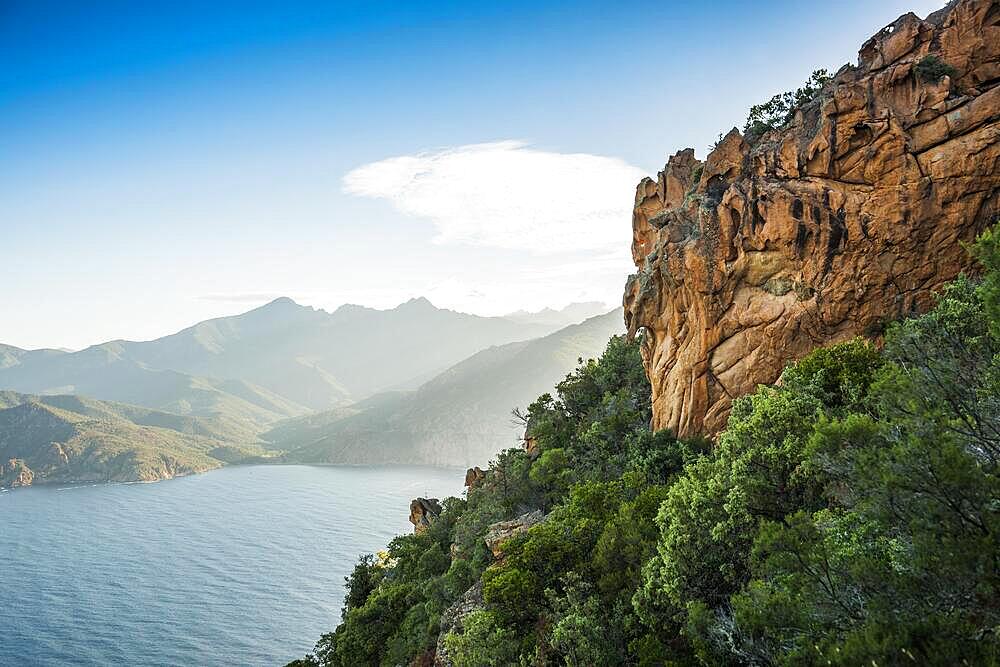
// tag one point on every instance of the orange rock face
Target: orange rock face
(423, 512)
(850, 216)
(474, 477)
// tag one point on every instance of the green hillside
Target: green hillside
(847, 515)
(47, 439)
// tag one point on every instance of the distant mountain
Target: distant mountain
(273, 362)
(68, 439)
(13, 356)
(461, 417)
(574, 313)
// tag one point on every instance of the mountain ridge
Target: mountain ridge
(275, 361)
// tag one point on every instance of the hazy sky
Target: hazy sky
(162, 163)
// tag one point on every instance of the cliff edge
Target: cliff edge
(849, 215)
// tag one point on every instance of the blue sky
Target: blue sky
(162, 165)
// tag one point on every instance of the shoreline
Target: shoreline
(70, 484)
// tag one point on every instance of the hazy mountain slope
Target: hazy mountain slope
(461, 417)
(106, 372)
(273, 346)
(40, 442)
(277, 361)
(398, 348)
(13, 356)
(323, 360)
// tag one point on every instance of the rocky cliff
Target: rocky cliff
(423, 512)
(849, 215)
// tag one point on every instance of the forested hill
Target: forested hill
(46, 439)
(846, 516)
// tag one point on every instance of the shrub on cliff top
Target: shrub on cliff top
(780, 109)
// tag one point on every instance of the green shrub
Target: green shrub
(932, 69)
(780, 109)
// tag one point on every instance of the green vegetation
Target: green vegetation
(932, 69)
(780, 109)
(847, 516)
(74, 439)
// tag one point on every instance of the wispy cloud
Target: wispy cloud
(509, 195)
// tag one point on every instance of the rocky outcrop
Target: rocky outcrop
(531, 447)
(423, 511)
(851, 215)
(474, 477)
(529, 443)
(15, 473)
(452, 618)
(498, 533)
(472, 600)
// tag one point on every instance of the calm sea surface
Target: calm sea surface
(241, 566)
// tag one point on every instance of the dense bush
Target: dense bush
(932, 69)
(848, 515)
(780, 109)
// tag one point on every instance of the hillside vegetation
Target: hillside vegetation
(846, 516)
(46, 439)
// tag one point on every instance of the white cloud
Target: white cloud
(508, 195)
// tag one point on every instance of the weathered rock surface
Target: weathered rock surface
(423, 511)
(531, 447)
(474, 477)
(529, 443)
(452, 618)
(851, 215)
(498, 533)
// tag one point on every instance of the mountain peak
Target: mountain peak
(572, 313)
(418, 302)
(282, 306)
(281, 302)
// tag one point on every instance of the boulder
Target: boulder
(452, 618)
(498, 533)
(423, 511)
(474, 477)
(15, 473)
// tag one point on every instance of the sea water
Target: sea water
(240, 566)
